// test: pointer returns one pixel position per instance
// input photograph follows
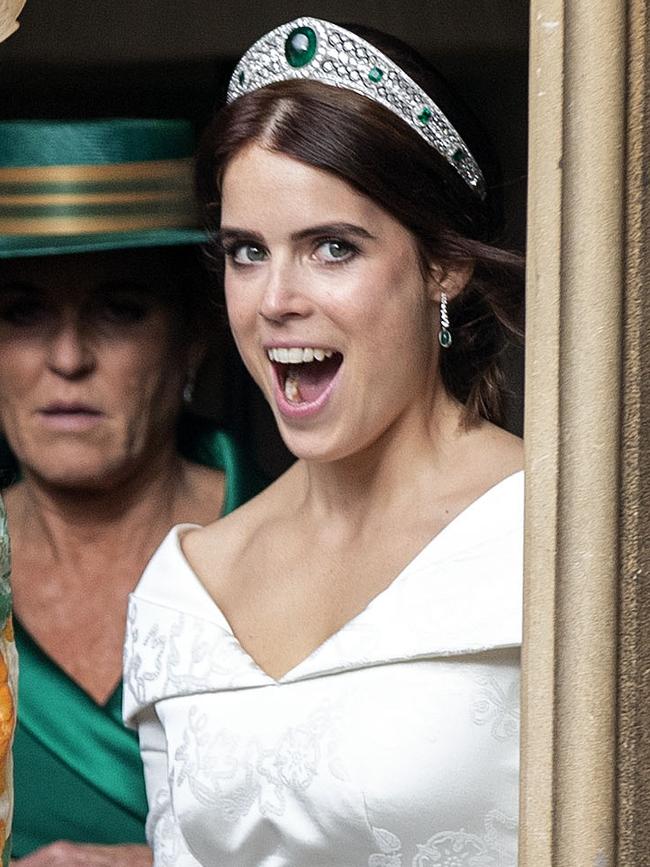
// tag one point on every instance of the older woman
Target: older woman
(334, 679)
(101, 336)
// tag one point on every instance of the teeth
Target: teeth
(297, 354)
(291, 390)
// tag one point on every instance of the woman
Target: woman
(101, 335)
(334, 674)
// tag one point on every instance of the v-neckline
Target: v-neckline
(113, 702)
(295, 672)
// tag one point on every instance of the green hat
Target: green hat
(77, 186)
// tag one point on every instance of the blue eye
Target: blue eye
(247, 254)
(335, 250)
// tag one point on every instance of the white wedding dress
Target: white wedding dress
(395, 743)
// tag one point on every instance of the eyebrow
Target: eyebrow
(231, 233)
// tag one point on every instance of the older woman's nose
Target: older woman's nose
(70, 354)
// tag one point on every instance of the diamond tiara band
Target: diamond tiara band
(316, 50)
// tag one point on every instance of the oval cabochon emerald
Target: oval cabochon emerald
(300, 46)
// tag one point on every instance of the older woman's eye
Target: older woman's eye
(335, 250)
(23, 312)
(246, 254)
(123, 310)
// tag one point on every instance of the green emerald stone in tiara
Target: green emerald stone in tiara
(311, 49)
(300, 47)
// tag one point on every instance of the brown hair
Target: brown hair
(373, 150)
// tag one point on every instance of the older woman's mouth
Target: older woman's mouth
(70, 417)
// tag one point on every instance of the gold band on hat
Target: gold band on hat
(79, 199)
(170, 170)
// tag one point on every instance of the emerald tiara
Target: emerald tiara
(316, 50)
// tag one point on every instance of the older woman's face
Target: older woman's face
(91, 367)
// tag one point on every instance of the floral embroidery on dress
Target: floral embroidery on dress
(391, 847)
(177, 654)
(255, 772)
(294, 762)
(497, 848)
(205, 759)
(498, 704)
(162, 830)
(454, 849)
(501, 837)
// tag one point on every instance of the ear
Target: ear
(450, 279)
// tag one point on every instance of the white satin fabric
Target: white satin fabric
(394, 743)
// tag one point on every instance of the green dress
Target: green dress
(78, 774)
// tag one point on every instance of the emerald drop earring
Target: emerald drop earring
(444, 335)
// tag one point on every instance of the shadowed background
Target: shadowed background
(172, 58)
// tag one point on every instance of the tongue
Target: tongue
(312, 378)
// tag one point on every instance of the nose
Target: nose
(70, 354)
(285, 294)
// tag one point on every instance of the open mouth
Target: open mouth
(304, 373)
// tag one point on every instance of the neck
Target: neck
(411, 460)
(70, 520)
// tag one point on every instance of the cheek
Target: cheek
(241, 308)
(142, 372)
(20, 367)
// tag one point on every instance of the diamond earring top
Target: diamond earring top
(316, 50)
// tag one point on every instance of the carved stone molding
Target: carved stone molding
(581, 432)
(633, 757)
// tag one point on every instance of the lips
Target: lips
(62, 408)
(304, 377)
(69, 416)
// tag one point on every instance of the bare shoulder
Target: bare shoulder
(506, 449)
(222, 541)
(488, 455)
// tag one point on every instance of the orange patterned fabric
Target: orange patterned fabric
(8, 685)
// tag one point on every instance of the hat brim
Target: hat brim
(52, 245)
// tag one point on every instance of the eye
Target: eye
(336, 250)
(246, 254)
(23, 312)
(122, 309)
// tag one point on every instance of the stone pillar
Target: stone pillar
(633, 695)
(585, 605)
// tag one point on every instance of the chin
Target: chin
(78, 469)
(318, 448)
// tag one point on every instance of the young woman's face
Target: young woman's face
(90, 364)
(327, 303)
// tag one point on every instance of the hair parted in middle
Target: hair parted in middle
(361, 142)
